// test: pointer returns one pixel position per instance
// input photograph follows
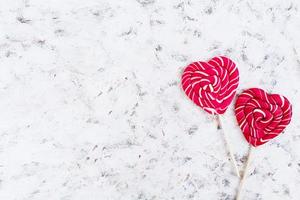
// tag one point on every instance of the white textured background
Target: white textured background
(91, 106)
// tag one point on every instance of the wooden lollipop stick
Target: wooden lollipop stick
(228, 148)
(238, 196)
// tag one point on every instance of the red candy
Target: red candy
(211, 85)
(262, 116)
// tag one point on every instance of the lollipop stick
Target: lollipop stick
(228, 148)
(238, 196)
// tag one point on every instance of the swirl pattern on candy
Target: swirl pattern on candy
(211, 85)
(262, 116)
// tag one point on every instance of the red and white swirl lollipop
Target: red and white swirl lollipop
(212, 85)
(262, 117)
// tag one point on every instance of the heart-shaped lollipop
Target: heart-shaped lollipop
(262, 116)
(211, 85)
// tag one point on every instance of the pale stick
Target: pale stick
(228, 148)
(238, 196)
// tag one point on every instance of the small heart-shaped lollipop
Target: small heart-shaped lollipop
(211, 85)
(262, 116)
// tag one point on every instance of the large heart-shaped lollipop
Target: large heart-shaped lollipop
(262, 116)
(211, 85)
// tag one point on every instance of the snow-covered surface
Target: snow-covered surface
(91, 105)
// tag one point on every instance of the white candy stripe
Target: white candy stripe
(247, 94)
(195, 78)
(215, 62)
(215, 81)
(233, 85)
(221, 59)
(210, 109)
(282, 100)
(264, 140)
(260, 111)
(242, 124)
(208, 102)
(287, 110)
(267, 99)
(184, 82)
(281, 125)
(186, 76)
(239, 108)
(257, 103)
(185, 90)
(252, 104)
(211, 97)
(201, 66)
(200, 90)
(211, 88)
(226, 97)
(265, 122)
(216, 71)
(219, 100)
(232, 71)
(194, 67)
(189, 93)
(193, 84)
(222, 108)
(200, 102)
(224, 76)
(234, 79)
(202, 73)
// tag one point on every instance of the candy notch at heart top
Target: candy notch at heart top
(211, 85)
(262, 116)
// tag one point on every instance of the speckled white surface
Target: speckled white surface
(91, 106)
